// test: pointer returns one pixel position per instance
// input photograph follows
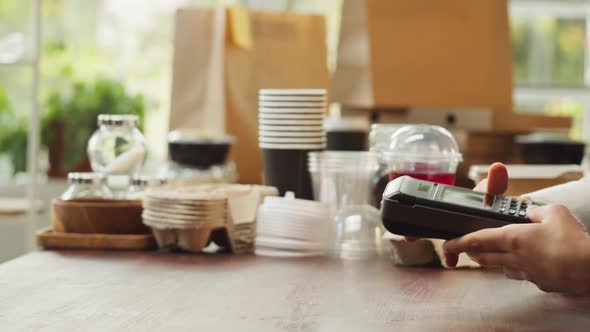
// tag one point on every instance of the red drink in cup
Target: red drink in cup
(438, 178)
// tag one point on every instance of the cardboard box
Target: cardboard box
(426, 61)
(425, 53)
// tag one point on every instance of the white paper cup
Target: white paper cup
(295, 134)
(291, 128)
(291, 140)
(269, 98)
(302, 146)
(315, 123)
(270, 110)
(271, 116)
(293, 92)
(292, 104)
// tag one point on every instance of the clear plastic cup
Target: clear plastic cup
(423, 152)
(342, 178)
(358, 232)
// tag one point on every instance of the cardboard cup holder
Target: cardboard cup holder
(234, 231)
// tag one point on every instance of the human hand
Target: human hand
(553, 252)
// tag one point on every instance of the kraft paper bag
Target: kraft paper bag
(424, 53)
(222, 58)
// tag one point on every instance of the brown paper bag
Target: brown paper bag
(219, 66)
(424, 53)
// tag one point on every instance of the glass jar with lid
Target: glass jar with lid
(86, 186)
(117, 146)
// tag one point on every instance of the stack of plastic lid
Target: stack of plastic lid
(289, 227)
(343, 178)
(292, 119)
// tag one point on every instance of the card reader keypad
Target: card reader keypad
(504, 205)
(514, 207)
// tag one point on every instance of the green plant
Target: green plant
(78, 108)
(13, 134)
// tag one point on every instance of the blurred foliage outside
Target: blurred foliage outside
(551, 52)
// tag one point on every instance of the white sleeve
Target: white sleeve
(575, 195)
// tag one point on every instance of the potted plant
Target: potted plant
(13, 134)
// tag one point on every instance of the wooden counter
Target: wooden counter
(110, 291)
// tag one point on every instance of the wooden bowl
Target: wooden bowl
(98, 217)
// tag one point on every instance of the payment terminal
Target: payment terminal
(423, 209)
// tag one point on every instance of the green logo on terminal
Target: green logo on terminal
(423, 188)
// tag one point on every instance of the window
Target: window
(127, 41)
(551, 72)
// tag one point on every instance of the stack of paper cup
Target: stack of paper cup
(291, 124)
(289, 227)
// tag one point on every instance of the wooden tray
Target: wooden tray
(98, 217)
(49, 239)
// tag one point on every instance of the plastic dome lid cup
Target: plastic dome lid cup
(424, 152)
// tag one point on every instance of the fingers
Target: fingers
(538, 214)
(514, 274)
(494, 259)
(556, 214)
(482, 186)
(497, 179)
(535, 213)
(451, 259)
(486, 240)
